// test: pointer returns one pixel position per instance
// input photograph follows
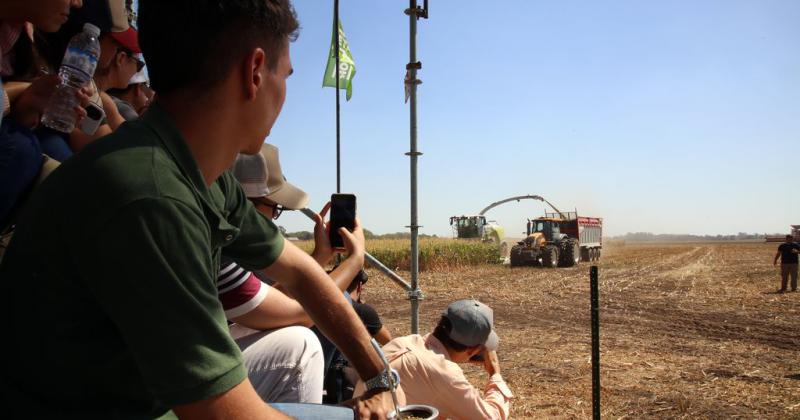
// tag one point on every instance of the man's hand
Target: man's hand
(113, 116)
(372, 406)
(354, 242)
(323, 252)
(491, 363)
(28, 108)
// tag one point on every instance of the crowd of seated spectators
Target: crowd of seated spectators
(33, 39)
(288, 360)
(285, 360)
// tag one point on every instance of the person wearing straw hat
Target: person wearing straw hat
(124, 273)
(429, 369)
(284, 359)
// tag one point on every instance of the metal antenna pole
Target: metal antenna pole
(415, 295)
(338, 133)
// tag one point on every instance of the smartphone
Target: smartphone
(477, 358)
(343, 214)
(94, 116)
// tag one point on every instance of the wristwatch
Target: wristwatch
(383, 382)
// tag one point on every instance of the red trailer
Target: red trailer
(587, 230)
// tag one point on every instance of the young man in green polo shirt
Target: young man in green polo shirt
(109, 285)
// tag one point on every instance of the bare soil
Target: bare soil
(687, 331)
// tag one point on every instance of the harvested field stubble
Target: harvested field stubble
(687, 331)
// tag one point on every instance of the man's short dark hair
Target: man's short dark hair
(193, 44)
(442, 333)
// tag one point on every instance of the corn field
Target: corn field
(434, 253)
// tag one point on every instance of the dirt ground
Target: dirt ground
(687, 331)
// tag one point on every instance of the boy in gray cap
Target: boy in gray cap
(429, 365)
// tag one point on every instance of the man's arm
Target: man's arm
(383, 336)
(240, 402)
(466, 401)
(777, 255)
(329, 310)
(276, 311)
(78, 139)
(280, 310)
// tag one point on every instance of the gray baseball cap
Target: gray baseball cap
(472, 323)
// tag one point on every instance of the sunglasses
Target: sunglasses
(139, 63)
(277, 209)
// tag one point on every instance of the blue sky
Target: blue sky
(669, 117)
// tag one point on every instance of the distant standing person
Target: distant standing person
(788, 252)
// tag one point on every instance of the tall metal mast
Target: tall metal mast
(414, 13)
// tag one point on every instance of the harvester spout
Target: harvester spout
(554, 207)
(517, 198)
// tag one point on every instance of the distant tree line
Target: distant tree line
(664, 237)
(305, 235)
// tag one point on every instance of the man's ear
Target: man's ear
(119, 59)
(253, 72)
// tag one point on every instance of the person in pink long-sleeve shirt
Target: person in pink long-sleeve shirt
(429, 369)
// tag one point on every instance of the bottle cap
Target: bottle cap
(91, 29)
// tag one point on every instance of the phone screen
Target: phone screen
(343, 214)
(94, 116)
(477, 358)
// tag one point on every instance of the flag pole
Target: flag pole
(338, 132)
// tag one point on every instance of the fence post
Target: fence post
(593, 276)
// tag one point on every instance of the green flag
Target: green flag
(347, 67)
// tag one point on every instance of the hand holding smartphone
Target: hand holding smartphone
(477, 358)
(94, 117)
(343, 214)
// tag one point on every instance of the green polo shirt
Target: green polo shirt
(109, 295)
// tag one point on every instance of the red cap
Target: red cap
(129, 39)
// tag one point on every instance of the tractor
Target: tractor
(477, 227)
(559, 239)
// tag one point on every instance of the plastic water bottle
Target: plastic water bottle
(77, 68)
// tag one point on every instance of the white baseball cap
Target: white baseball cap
(139, 77)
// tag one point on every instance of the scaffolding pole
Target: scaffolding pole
(414, 13)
